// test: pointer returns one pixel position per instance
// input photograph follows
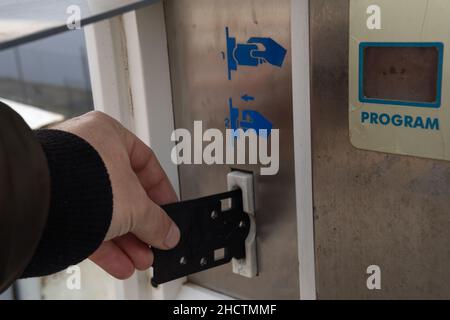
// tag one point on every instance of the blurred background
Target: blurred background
(50, 74)
(47, 81)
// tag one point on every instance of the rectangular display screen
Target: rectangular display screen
(401, 75)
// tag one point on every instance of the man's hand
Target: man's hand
(139, 186)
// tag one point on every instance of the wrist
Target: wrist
(81, 203)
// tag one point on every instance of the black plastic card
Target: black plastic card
(211, 235)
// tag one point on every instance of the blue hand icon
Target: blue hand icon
(248, 54)
(254, 120)
(274, 53)
(243, 55)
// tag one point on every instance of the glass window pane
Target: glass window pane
(401, 73)
(50, 74)
(23, 21)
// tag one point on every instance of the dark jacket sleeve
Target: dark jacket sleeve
(24, 195)
(55, 202)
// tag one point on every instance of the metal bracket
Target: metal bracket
(210, 236)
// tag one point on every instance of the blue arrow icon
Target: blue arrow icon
(247, 98)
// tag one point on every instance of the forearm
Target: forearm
(81, 203)
(56, 199)
(69, 200)
(24, 195)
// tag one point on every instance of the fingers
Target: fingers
(150, 223)
(122, 256)
(113, 260)
(149, 171)
(139, 253)
(153, 226)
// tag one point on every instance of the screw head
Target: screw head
(203, 262)
(183, 261)
(214, 215)
(153, 283)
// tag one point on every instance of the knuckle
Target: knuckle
(161, 225)
(100, 117)
(97, 114)
(155, 221)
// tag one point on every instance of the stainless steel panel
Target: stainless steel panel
(196, 35)
(370, 208)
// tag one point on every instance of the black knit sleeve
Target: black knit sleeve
(81, 203)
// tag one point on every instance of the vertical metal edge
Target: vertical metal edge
(302, 147)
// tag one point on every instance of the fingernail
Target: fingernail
(173, 236)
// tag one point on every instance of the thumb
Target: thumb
(153, 226)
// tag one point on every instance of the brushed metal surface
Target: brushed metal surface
(201, 89)
(370, 208)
